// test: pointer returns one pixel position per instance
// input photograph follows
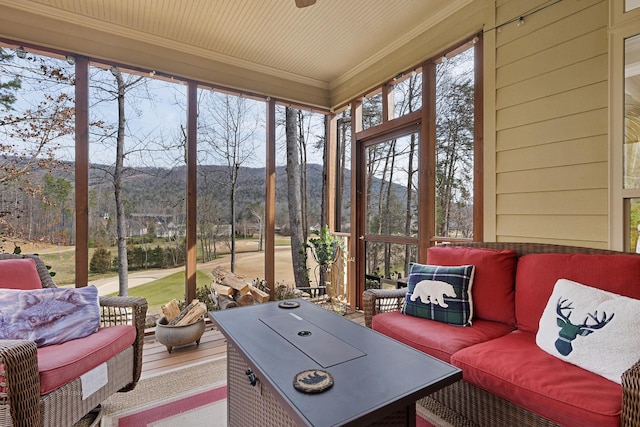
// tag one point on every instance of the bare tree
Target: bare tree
(36, 100)
(118, 174)
(118, 90)
(298, 249)
(230, 136)
(454, 134)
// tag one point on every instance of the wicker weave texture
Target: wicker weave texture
(249, 405)
(65, 406)
(482, 408)
(476, 405)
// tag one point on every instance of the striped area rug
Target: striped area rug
(204, 407)
(193, 396)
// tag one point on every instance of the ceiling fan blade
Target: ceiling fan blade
(305, 3)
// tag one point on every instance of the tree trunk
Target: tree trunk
(388, 207)
(323, 197)
(303, 177)
(121, 226)
(298, 250)
(234, 179)
(407, 220)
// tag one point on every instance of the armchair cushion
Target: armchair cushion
(49, 316)
(62, 363)
(19, 273)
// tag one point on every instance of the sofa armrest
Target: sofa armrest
(20, 393)
(127, 311)
(630, 415)
(376, 301)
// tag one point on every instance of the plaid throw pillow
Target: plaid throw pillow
(440, 293)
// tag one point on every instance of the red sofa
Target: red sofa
(507, 378)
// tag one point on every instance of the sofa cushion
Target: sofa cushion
(49, 316)
(62, 363)
(514, 368)
(440, 293)
(584, 326)
(538, 273)
(19, 273)
(493, 281)
(436, 338)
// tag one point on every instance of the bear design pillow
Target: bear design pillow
(440, 293)
(49, 316)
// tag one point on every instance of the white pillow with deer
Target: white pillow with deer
(594, 329)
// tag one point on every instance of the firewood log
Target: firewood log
(171, 310)
(225, 302)
(258, 295)
(242, 300)
(183, 312)
(194, 314)
(225, 277)
(222, 289)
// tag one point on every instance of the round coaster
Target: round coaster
(313, 381)
(289, 304)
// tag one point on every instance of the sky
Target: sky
(155, 116)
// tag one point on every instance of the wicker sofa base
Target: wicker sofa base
(465, 405)
(64, 406)
(249, 405)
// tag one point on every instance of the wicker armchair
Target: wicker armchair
(22, 405)
(465, 404)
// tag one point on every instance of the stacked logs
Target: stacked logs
(191, 313)
(231, 290)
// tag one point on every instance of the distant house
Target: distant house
(169, 230)
(137, 229)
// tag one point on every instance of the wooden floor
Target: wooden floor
(156, 359)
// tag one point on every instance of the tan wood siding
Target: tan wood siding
(551, 123)
(590, 230)
(570, 202)
(583, 150)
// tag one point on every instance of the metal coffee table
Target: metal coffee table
(376, 379)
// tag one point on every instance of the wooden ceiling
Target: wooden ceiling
(319, 46)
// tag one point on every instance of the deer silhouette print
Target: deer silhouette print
(569, 331)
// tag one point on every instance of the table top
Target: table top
(374, 375)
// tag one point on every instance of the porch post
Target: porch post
(192, 181)
(82, 171)
(270, 200)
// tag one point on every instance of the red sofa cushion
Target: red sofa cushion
(514, 368)
(19, 273)
(62, 363)
(438, 339)
(493, 282)
(538, 273)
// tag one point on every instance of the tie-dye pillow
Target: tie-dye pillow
(49, 316)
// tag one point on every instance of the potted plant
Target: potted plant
(326, 249)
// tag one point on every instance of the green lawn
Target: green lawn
(163, 290)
